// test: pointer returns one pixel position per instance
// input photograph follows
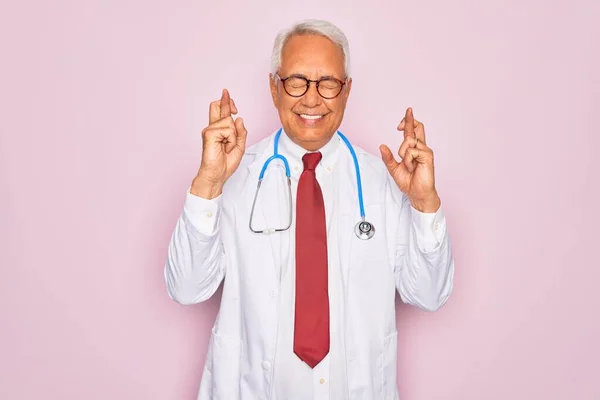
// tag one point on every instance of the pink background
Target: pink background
(102, 104)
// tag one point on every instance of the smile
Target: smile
(311, 117)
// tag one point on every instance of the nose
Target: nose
(311, 98)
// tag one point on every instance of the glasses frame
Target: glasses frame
(309, 81)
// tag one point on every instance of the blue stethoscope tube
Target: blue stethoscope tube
(364, 230)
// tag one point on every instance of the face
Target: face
(310, 120)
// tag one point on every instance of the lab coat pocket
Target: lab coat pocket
(224, 365)
(389, 366)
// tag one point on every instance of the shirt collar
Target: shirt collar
(294, 153)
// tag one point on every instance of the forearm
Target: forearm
(425, 265)
(195, 264)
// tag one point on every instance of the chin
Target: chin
(314, 138)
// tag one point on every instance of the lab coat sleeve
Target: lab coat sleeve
(424, 264)
(429, 227)
(196, 262)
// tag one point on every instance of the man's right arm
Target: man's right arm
(196, 261)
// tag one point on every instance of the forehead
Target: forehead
(313, 56)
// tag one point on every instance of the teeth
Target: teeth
(306, 116)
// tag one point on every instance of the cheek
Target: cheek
(337, 108)
(287, 104)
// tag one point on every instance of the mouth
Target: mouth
(311, 117)
(311, 120)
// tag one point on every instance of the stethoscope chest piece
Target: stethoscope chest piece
(364, 230)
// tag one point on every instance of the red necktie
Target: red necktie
(311, 319)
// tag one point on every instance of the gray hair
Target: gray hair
(310, 27)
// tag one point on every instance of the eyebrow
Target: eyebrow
(321, 77)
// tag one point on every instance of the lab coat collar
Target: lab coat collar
(294, 153)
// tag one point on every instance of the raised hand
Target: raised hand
(414, 174)
(223, 145)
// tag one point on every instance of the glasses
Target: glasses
(297, 86)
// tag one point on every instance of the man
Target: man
(308, 312)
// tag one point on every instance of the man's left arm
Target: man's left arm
(423, 262)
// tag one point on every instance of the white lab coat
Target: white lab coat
(243, 339)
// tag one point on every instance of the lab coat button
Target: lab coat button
(436, 227)
(273, 294)
(266, 365)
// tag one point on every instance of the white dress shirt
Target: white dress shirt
(294, 379)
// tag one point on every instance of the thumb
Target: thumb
(388, 157)
(242, 133)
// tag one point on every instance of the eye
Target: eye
(296, 83)
(331, 84)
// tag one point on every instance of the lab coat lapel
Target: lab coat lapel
(349, 211)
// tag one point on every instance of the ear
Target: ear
(347, 90)
(273, 86)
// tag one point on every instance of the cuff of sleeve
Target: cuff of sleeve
(429, 227)
(202, 213)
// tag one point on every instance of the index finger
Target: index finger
(214, 111)
(225, 106)
(409, 123)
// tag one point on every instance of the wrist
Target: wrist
(429, 204)
(206, 189)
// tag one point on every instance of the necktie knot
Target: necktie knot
(311, 160)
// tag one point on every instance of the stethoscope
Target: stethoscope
(364, 230)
